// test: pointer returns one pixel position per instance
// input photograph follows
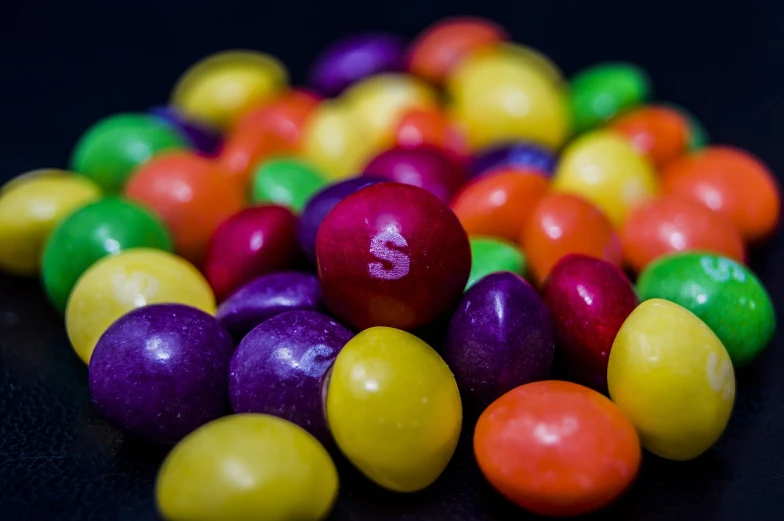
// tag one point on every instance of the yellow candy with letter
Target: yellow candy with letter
(31, 206)
(603, 168)
(394, 408)
(672, 377)
(249, 467)
(131, 279)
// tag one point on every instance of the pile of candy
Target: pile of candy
(400, 200)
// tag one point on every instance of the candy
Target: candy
(722, 293)
(589, 299)
(221, 88)
(110, 150)
(31, 206)
(131, 279)
(354, 58)
(391, 254)
(252, 467)
(250, 243)
(562, 224)
(161, 371)
(389, 389)
(657, 132)
(287, 182)
(698, 136)
(284, 117)
(279, 366)
(672, 378)
(490, 255)
(431, 127)
(672, 223)
(244, 149)
(731, 182)
(557, 448)
(518, 155)
(201, 137)
(99, 229)
(500, 337)
(603, 168)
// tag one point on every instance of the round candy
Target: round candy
(518, 155)
(602, 167)
(354, 58)
(202, 138)
(672, 378)
(657, 132)
(557, 448)
(562, 224)
(426, 168)
(500, 336)
(431, 127)
(391, 254)
(389, 389)
(252, 467)
(731, 182)
(250, 243)
(30, 208)
(490, 255)
(131, 279)
(161, 371)
(267, 296)
(698, 136)
(190, 194)
(287, 182)
(279, 368)
(725, 295)
(221, 88)
(589, 299)
(109, 151)
(283, 117)
(671, 223)
(99, 229)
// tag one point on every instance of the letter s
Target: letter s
(381, 248)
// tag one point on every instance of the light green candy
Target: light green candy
(490, 255)
(287, 182)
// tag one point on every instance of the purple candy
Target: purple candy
(279, 367)
(161, 371)
(354, 58)
(526, 155)
(266, 296)
(501, 336)
(203, 139)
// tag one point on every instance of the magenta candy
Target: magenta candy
(203, 139)
(589, 299)
(515, 155)
(391, 255)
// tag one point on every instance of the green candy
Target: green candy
(489, 255)
(726, 295)
(91, 233)
(287, 182)
(601, 92)
(114, 147)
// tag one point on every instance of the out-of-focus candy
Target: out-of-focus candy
(131, 279)
(731, 182)
(657, 132)
(490, 255)
(390, 389)
(518, 155)
(287, 182)
(603, 168)
(202, 138)
(671, 223)
(725, 295)
(589, 299)
(283, 117)
(391, 254)
(279, 472)
(698, 136)
(431, 127)
(31, 206)
(500, 336)
(244, 149)
(672, 378)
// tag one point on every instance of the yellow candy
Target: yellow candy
(249, 467)
(31, 205)
(672, 377)
(221, 88)
(131, 279)
(394, 408)
(604, 169)
(534, 59)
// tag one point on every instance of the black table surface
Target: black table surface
(66, 64)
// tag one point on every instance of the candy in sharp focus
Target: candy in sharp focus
(658, 132)
(432, 127)
(287, 182)
(522, 155)
(202, 138)
(491, 254)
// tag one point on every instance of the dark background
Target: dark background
(65, 64)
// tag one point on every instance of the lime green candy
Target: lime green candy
(489, 255)
(114, 147)
(97, 230)
(286, 182)
(600, 92)
(726, 295)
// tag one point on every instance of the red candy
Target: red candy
(432, 127)
(391, 255)
(659, 133)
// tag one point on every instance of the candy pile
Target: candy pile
(393, 205)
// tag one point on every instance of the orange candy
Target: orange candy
(562, 224)
(431, 127)
(731, 182)
(557, 448)
(190, 194)
(501, 203)
(672, 223)
(659, 133)
(243, 150)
